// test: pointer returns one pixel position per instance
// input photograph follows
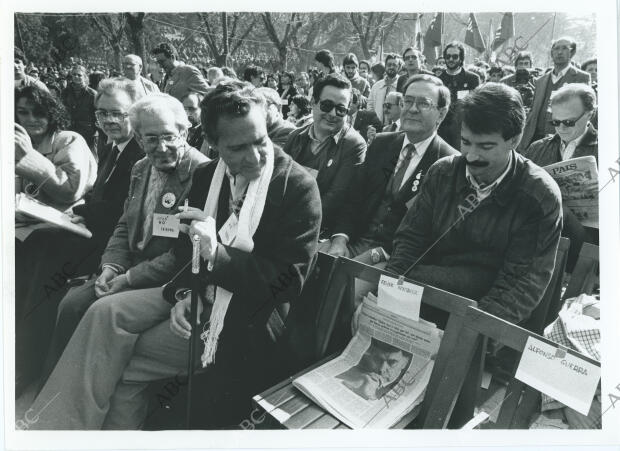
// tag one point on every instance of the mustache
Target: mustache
(477, 164)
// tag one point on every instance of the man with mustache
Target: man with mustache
(486, 224)
(383, 87)
(257, 214)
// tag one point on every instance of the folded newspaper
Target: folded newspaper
(27, 207)
(381, 375)
(578, 182)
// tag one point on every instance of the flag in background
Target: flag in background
(432, 38)
(505, 31)
(417, 32)
(473, 37)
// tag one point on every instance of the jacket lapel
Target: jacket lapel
(430, 156)
(134, 215)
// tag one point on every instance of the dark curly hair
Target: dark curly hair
(45, 104)
(303, 104)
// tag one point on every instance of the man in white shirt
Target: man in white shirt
(395, 166)
(132, 68)
(382, 88)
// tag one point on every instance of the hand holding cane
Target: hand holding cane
(195, 285)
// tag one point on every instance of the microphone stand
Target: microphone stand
(195, 286)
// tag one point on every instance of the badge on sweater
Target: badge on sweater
(168, 200)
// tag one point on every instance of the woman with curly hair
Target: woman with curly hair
(300, 112)
(287, 90)
(52, 165)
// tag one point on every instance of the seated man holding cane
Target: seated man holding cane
(266, 209)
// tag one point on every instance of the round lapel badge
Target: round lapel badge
(418, 175)
(330, 162)
(414, 188)
(168, 200)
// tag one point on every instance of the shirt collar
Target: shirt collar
(455, 73)
(336, 137)
(420, 146)
(121, 146)
(484, 191)
(560, 74)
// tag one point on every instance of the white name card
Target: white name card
(165, 225)
(403, 299)
(556, 373)
(461, 94)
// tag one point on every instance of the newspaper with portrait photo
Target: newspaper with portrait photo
(578, 182)
(382, 374)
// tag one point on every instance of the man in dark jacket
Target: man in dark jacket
(80, 102)
(396, 164)
(330, 149)
(144, 339)
(486, 224)
(362, 119)
(460, 82)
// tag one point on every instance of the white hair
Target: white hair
(159, 104)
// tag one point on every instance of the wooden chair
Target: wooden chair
(458, 345)
(584, 275)
(520, 400)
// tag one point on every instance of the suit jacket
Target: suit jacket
(546, 151)
(104, 204)
(364, 119)
(185, 79)
(377, 172)
(275, 270)
(338, 174)
(573, 75)
(154, 264)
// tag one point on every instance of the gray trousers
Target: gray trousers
(122, 343)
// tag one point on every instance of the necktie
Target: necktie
(105, 172)
(401, 167)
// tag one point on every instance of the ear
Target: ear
(515, 140)
(442, 114)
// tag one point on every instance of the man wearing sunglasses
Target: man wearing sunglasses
(486, 224)
(572, 107)
(460, 82)
(395, 166)
(330, 148)
(538, 126)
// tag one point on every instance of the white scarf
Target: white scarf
(249, 217)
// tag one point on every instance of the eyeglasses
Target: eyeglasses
(410, 57)
(566, 122)
(421, 103)
(153, 140)
(327, 106)
(452, 57)
(116, 116)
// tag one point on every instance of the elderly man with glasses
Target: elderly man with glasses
(395, 166)
(139, 253)
(330, 148)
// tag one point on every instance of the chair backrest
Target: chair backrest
(300, 335)
(516, 406)
(584, 275)
(549, 306)
(457, 345)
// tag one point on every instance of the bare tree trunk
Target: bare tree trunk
(135, 22)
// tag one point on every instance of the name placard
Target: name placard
(403, 299)
(556, 373)
(165, 225)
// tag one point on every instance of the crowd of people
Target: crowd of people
(374, 162)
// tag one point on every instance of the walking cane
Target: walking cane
(195, 285)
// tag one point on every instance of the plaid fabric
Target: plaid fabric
(576, 330)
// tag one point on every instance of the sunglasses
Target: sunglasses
(452, 57)
(566, 122)
(327, 106)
